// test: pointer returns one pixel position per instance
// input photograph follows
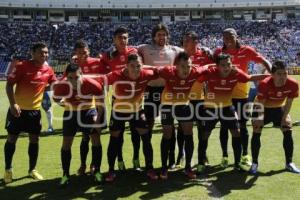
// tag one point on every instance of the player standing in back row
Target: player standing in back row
(160, 53)
(241, 56)
(190, 43)
(94, 68)
(116, 59)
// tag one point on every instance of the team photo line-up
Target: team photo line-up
(192, 85)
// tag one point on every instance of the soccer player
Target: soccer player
(274, 101)
(30, 78)
(220, 82)
(241, 55)
(116, 59)
(94, 68)
(79, 95)
(129, 85)
(175, 105)
(159, 53)
(190, 43)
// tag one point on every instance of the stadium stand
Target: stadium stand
(268, 25)
(274, 39)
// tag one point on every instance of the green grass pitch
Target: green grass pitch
(273, 182)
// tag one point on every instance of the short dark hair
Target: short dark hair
(222, 56)
(132, 57)
(181, 56)
(72, 68)
(121, 29)
(160, 27)
(80, 44)
(277, 65)
(38, 45)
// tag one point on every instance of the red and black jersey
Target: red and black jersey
(30, 81)
(81, 98)
(219, 89)
(117, 60)
(129, 93)
(241, 58)
(276, 96)
(177, 90)
(199, 58)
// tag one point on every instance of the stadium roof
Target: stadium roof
(145, 4)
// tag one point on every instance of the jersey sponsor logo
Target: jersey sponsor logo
(222, 88)
(288, 91)
(161, 62)
(94, 66)
(36, 82)
(233, 81)
(210, 95)
(143, 82)
(181, 88)
(276, 98)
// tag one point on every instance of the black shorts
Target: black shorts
(103, 119)
(273, 115)
(226, 115)
(29, 122)
(240, 106)
(152, 99)
(136, 120)
(75, 121)
(182, 113)
(198, 109)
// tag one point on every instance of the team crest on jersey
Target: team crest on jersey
(223, 82)
(192, 58)
(161, 54)
(279, 94)
(122, 58)
(182, 82)
(39, 74)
